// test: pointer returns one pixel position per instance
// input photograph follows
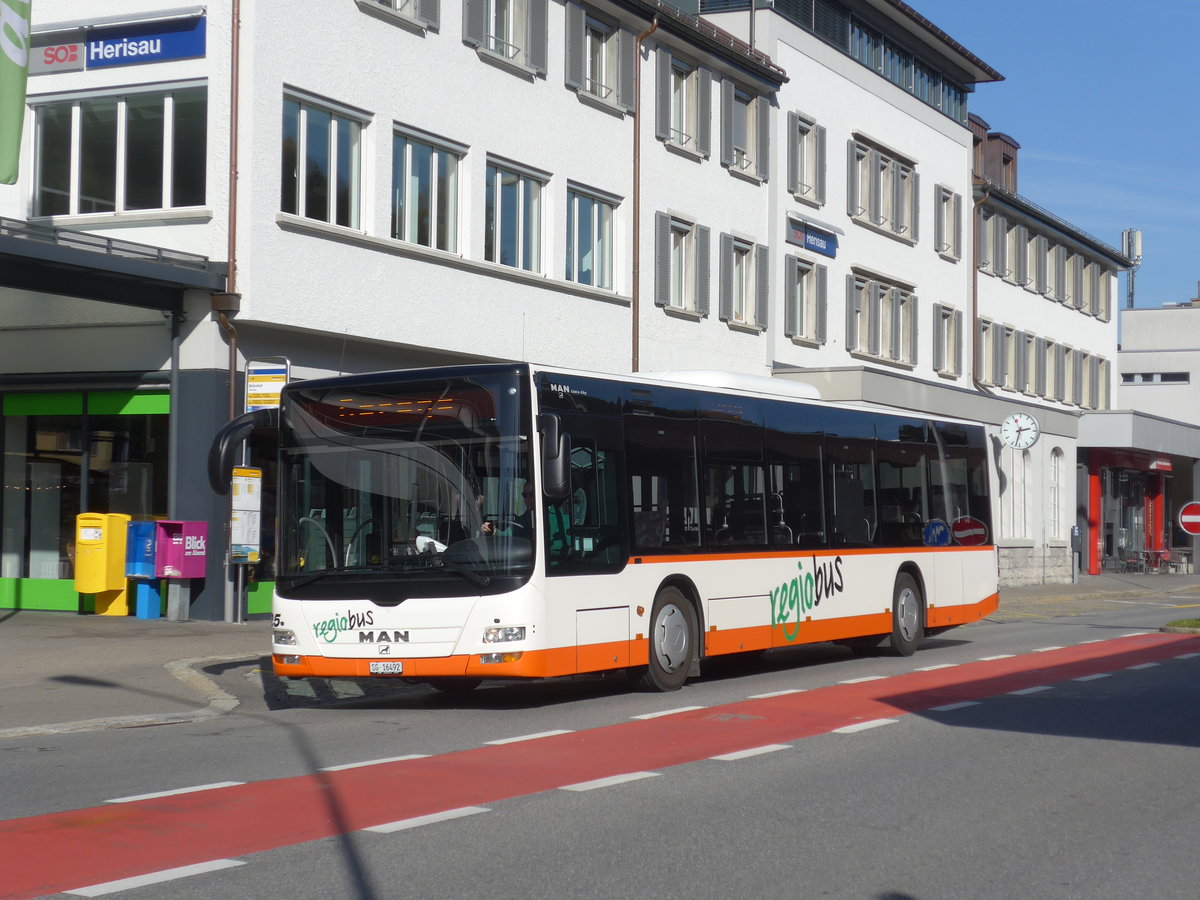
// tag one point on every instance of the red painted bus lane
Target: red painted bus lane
(47, 854)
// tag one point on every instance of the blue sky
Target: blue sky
(1104, 99)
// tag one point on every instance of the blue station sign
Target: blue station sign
(810, 237)
(130, 45)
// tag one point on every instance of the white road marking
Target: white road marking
(607, 782)
(125, 884)
(1149, 665)
(753, 751)
(863, 726)
(1030, 690)
(1095, 677)
(950, 707)
(993, 658)
(1187, 656)
(863, 680)
(186, 790)
(776, 694)
(667, 712)
(1093, 641)
(1045, 649)
(529, 737)
(373, 762)
(418, 821)
(1134, 634)
(938, 666)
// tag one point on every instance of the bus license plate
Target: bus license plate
(390, 667)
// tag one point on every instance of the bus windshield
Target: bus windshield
(399, 488)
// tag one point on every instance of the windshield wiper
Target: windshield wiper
(465, 571)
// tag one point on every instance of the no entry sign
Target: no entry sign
(1189, 517)
(969, 531)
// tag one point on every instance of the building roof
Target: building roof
(916, 24)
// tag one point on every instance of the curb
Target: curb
(219, 703)
(1176, 629)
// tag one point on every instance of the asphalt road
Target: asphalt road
(1066, 776)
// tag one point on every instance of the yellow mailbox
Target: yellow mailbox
(100, 560)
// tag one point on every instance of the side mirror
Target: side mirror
(228, 439)
(556, 458)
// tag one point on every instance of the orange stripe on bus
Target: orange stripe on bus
(791, 554)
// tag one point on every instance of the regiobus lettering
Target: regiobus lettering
(462, 523)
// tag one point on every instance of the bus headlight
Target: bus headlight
(284, 636)
(492, 658)
(501, 635)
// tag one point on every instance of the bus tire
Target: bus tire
(673, 637)
(908, 616)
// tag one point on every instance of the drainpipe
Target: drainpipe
(637, 189)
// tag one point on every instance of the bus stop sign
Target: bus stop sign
(1189, 517)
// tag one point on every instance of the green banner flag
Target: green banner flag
(14, 69)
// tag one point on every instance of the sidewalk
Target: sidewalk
(61, 672)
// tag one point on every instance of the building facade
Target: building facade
(613, 186)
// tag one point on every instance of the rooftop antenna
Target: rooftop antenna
(1131, 247)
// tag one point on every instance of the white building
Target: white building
(610, 185)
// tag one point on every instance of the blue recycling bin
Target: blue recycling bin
(140, 545)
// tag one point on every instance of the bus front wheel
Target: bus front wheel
(673, 640)
(908, 616)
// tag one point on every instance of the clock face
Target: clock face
(1020, 431)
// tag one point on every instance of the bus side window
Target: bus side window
(661, 471)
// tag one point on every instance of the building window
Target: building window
(681, 251)
(510, 30)
(745, 131)
(806, 299)
(806, 159)
(425, 192)
(1055, 499)
(590, 239)
(985, 350)
(136, 151)
(599, 58)
(425, 13)
(881, 320)
(513, 213)
(1155, 378)
(744, 282)
(322, 163)
(683, 107)
(947, 340)
(882, 190)
(947, 222)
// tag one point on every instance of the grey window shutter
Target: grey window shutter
(429, 13)
(853, 203)
(875, 204)
(793, 153)
(874, 325)
(982, 244)
(999, 246)
(762, 148)
(703, 240)
(894, 350)
(726, 122)
(915, 234)
(980, 342)
(662, 95)
(1021, 361)
(1094, 394)
(1021, 263)
(1060, 369)
(574, 43)
(1039, 366)
(913, 345)
(662, 259)
(1077, 365)
(762, 285)
(999, 357)
(725, 299)
(940, 244)
(474, 22)
(852, 305)
(940, 320)
(791, 280)
(626, 51)
(821, 287)
(1042, 275)
(704, 112)
(819, 176)
(1077, 285)
(536, 55)
(956, 235)
(958, 342)
(1063, 293)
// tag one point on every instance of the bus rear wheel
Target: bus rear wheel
(673, 640)
(908, 616)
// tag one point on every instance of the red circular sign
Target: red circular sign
(969, 531)
(1189, 517)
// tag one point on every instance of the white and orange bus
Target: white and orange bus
(457, 524)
